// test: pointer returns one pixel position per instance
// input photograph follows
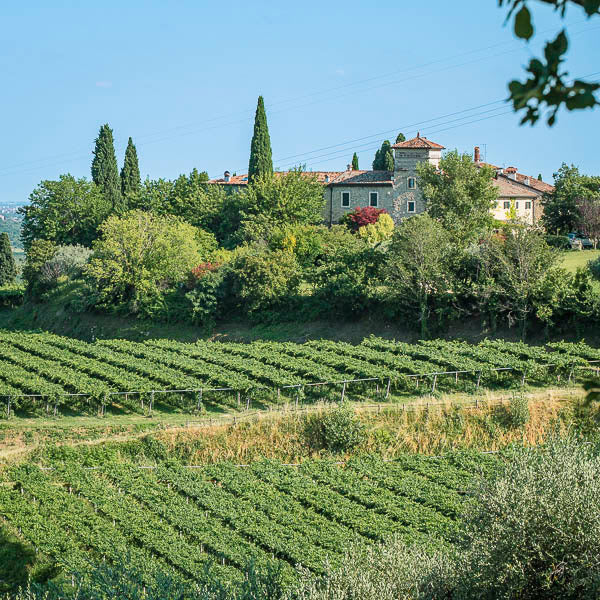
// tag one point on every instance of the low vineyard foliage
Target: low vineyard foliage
(42, 373)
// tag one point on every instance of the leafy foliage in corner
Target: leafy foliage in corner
(535, 531)
(547, 83)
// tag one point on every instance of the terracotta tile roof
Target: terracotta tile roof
(532, 182)
(507, 188)
(419, 142)
(324, 177)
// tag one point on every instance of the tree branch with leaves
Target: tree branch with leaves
(548, 84)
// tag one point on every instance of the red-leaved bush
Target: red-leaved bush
(200, 271)
(361, 216)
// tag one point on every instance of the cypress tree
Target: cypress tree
(8, 267)
(384, 158)
(355, 162)
(130, 174)
(105, 172)
(388, 156)
(400, 138)
(540, 177)
(377, 161)
(261, 160)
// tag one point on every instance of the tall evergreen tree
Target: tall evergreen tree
(131, 181)
(384, 158)
(8, 267)
(388, 156)
(105, 171)
(261, 160)
(540, 177)
(355, 162)
(400, 138)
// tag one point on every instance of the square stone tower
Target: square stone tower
(408, 198)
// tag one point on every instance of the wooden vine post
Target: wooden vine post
(434, 384)
(343, 391)
(387, 389)
(199, 403)
(478, 379)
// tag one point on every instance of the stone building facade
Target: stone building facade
(398, 191)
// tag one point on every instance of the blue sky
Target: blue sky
(182, 78)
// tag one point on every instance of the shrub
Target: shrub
(11, 296)
(558, 241)
(514, 416)
(362, 216)
(337, 430)
(594, 268)
(68, 261)
(39, 253)
(203, 299)
(264, 281)
(379, 231)
(390, 571)
(535, 531)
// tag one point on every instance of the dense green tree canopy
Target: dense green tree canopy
(265, 280)
(561, 207)
(459, 193)
(261, 160)
(518, 262)
(8, 268)
(105, 172)
(294, 198)
(418, 267)
(139, 256)
(67, 211)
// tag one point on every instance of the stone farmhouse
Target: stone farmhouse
(398, 191)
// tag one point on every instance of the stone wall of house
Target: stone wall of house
(359, 196)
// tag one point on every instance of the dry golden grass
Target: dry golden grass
(390, 431)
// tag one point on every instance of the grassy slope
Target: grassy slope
(579, 259)
(54, 317)
(436, 426)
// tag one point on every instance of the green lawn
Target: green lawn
(572, 259)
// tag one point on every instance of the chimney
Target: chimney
(418, 134)
(477, 155)
(326, 178)
(511, 173)
(227, 176)
(348, 167)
